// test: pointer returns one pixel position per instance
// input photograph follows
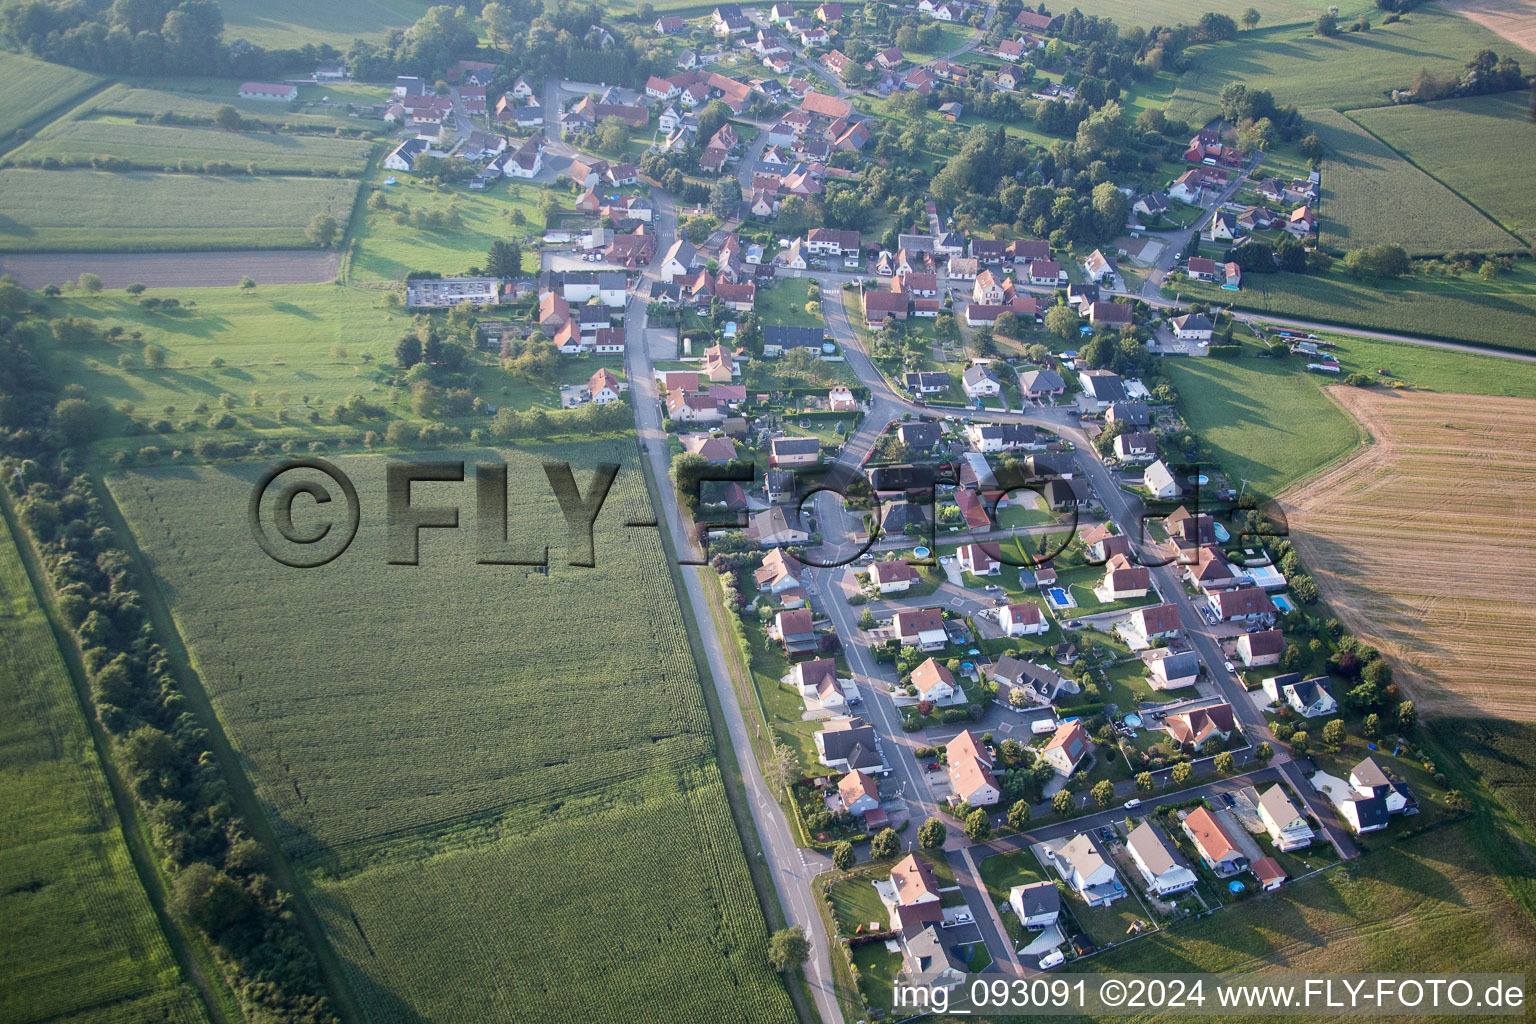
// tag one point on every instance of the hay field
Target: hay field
(30, 89)
(1419, 542)
(1372, 195)
(155, 147)
(501, 784)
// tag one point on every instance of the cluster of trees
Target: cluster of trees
(220, 874)
(144, 37)
(1377, 262)
(1486, 72)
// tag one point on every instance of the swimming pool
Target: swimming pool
(1221, 532)
(1133, 721)
(921, 552)
(1200, 479)
(1060, 597)
(1284, 604)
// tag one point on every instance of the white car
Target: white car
(1133, 803)
(1231, 667)
(1055, 958)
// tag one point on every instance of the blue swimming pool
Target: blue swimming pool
(1284, 604)
(1221, 532)
(1059, 596)
(920, 552)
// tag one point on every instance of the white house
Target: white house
(681, 259)
(268, 91)
(403, 157)
(1172, 670)
(922, 628)
(980, 382)
(860, 793)
(934, 682)
(1067, 747)
(1260, 649)
(818, 685)
(1288, 827)
(1158, 480)
(1310, 698)
(1192, 327)
(1079, 863)
(892, 577)
(1037, 905)
(1023, 619)
(980, 559)
(970, 771)
(1161, 867)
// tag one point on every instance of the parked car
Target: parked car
(1055, 958)
(1226, 798)
(1230, 666)
(1133, 803)
(935, 766)
(1107, 834)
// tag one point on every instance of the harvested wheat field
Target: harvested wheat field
(1515, 20)
(1423, 543)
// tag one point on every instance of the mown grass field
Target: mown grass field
(81, 942)
(30, 89)
(499, 781)
(294, 23)
(1187, 12)
(387, 251)
(1462, 636)
(1460, 309)
(155, 147)
(78, 210)
(1266, 421)
(1372, 195)
(1438, 137)
(1429, 902)
(1346, 72)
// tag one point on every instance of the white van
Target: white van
(1055, 958)
(1043, 726)
(1133, 803)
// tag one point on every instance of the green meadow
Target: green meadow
(31, 89)
(153, 147)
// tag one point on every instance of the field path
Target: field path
(174, 269)
(1419, 538)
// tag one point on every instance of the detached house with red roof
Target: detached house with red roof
(1215, 846)
(911, 895)
(1068, 747)
(970, 770)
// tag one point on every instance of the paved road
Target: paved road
(791, 867)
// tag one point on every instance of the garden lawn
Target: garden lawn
(1371, 195)
(783, 304)
(1001, 872)
(1267, 422)
(1437, 137)
(1397, 909)
(64, 211)
(386, 251)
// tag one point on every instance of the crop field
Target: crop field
(1396, 910)
(153, 146)
(1346, 72)
(1461, 309)
(1265, 421)
(1438, 136)
(1187, 12)
(1398, 540)
(387, 251)
(78, 210)
(278, 24)
(1372, 195)
(466, 759)
(30, 89)
(80, 941)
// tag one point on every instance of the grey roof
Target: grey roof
(912, 380)
(1371, 810)
(1192, 322)
(779, 480)
(1017, 671)
(1042, 380)
(919, 435)
(977, 374)
(901, 514)
(1039, 898)
(1154, 851)
(610, 279)
(1046, 464)
(1104, 386)
(1181, 664)
(915, 243)
(1135, 413)
(795, 445)
(901, 478)
(928, 954)
(838, 744)
(793, 337)
(1308, 690)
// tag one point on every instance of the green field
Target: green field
(1434, 368)
(1348, 71)
(386, 251)
(30, 89)
(1438, 137)
(1372, 195)
(153, 147)
(81, 942)
(1266, 421)
(1425, 903)
(1460, 309)
(201, 97)
(294, 23)
(467, 787)
(62, 211)
(1147, 13)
